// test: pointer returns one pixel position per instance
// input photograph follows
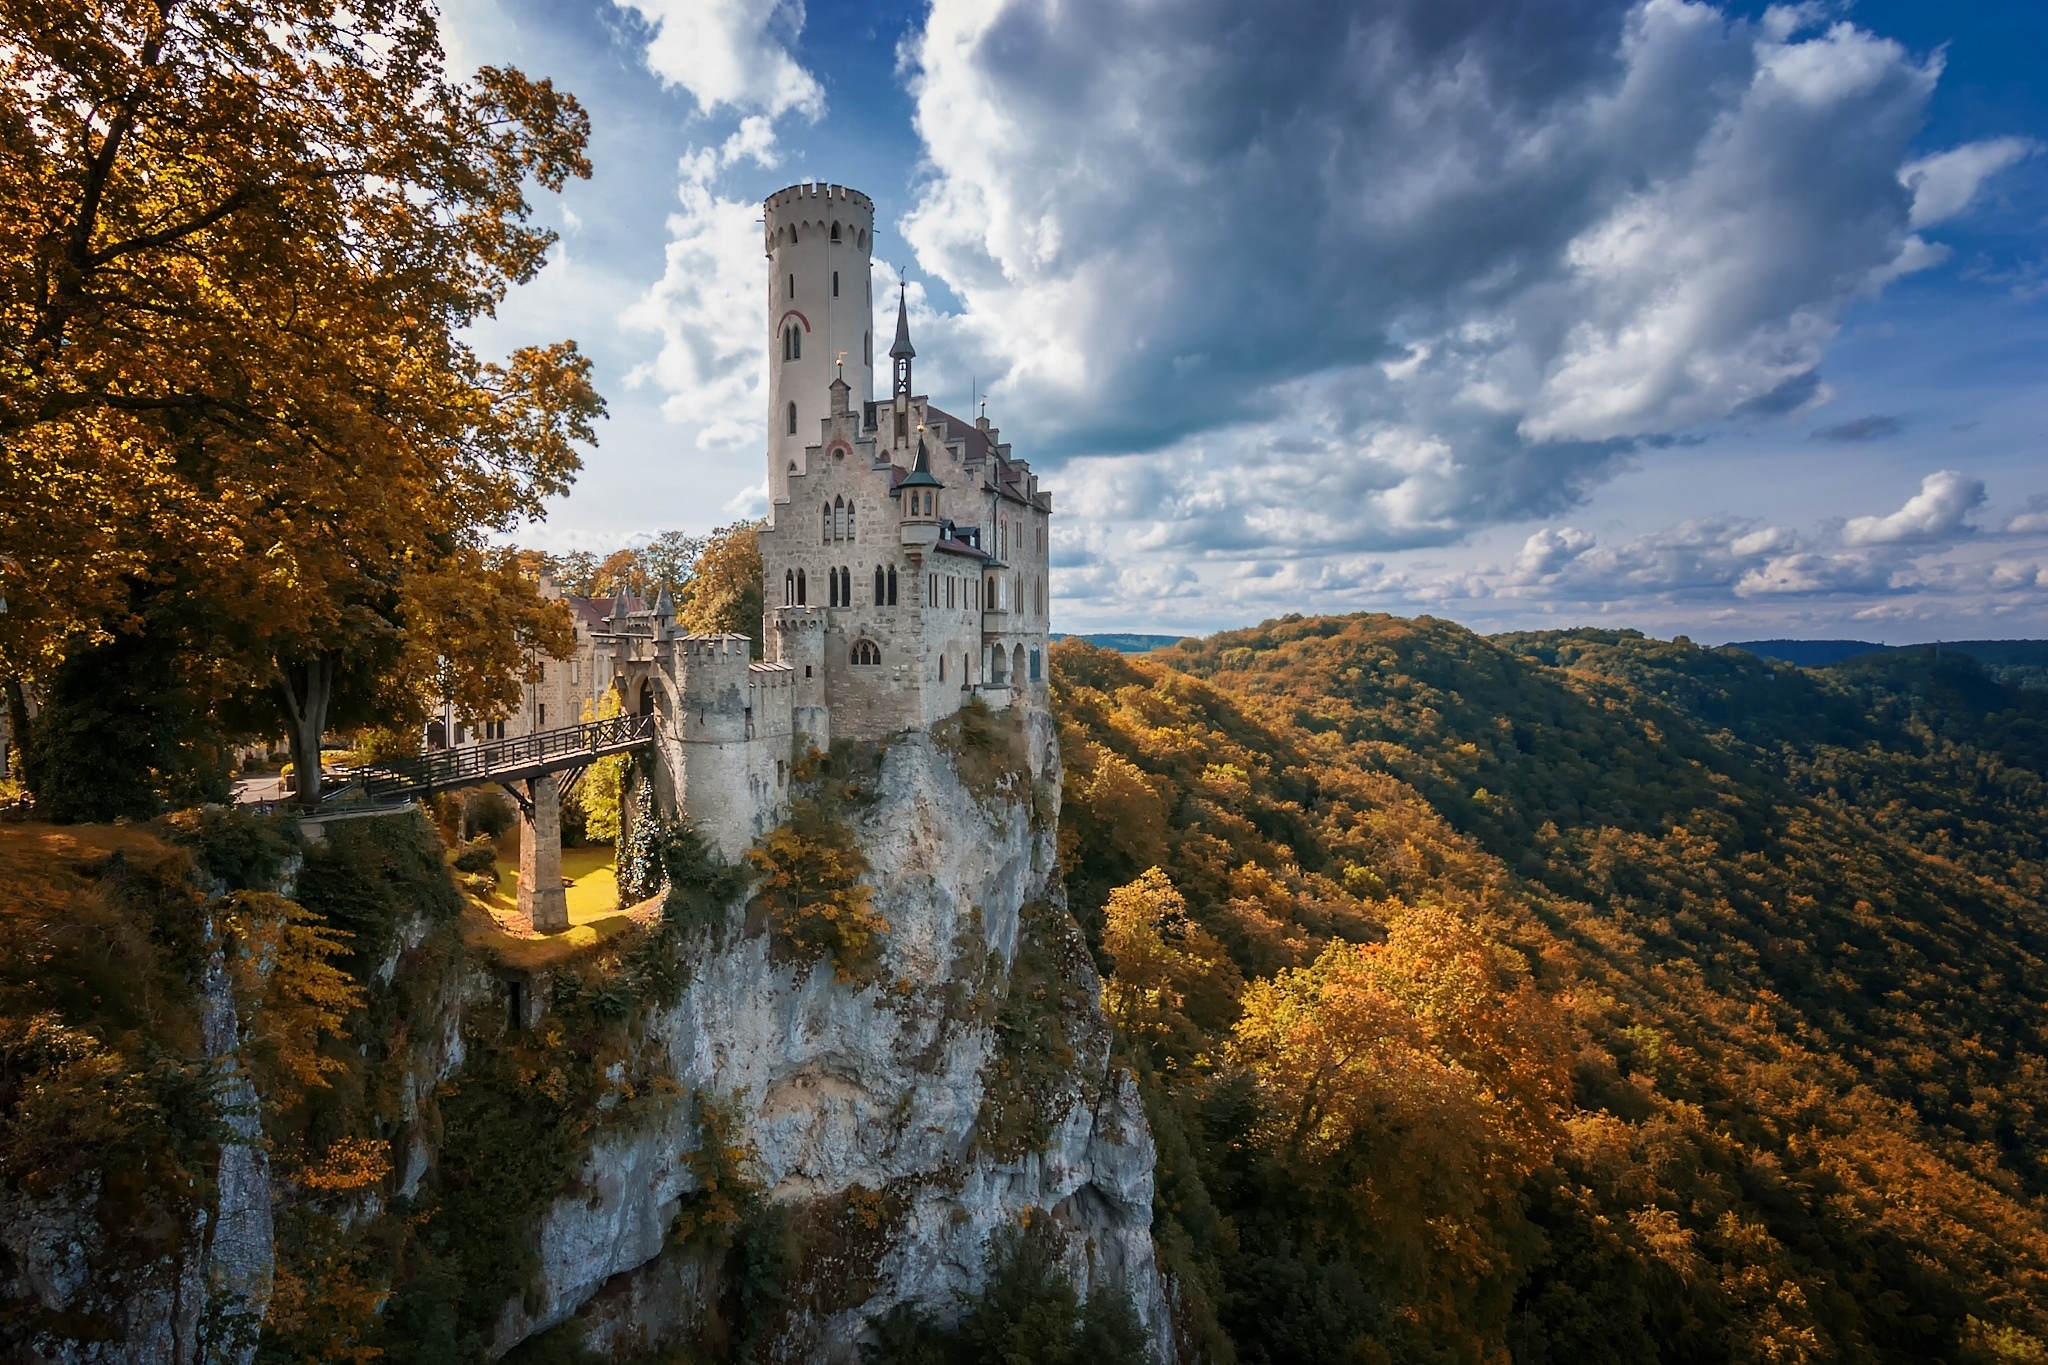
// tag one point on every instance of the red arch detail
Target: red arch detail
(792, 313)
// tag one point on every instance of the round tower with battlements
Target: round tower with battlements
(820, 315)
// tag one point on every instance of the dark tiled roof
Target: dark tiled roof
(952, 429)
(965, 549)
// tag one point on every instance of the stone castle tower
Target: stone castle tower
(905, 554)
(904, 557)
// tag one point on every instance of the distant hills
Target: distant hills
(2017, 663)
(1126, 644)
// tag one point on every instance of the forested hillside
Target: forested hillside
(1574, 995)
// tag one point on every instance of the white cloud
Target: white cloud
(705, 306)
(712, 363)
(1937, 512)
(2033, 520)
(1945, 184)
(732, 54)
(1815, 573)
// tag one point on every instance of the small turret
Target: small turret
(920, 494)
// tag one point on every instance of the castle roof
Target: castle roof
(966, 549)
(1008, 477)
(591, 612)
(920, 475)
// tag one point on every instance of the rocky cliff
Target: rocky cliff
(683, 1135)
(892, 1119)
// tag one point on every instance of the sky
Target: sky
(1726, 320)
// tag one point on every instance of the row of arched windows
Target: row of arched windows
(1014, 666)
(865, 652)
(838, 587)
(999, 592)
(838, 519)
(792, 342)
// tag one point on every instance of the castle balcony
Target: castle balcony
(995, 620)
(920, 536)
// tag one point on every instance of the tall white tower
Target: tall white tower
(821, 313)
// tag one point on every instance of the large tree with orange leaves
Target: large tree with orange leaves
(241, 243)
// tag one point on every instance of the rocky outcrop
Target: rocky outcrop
(203, 1302)
(880, 1093)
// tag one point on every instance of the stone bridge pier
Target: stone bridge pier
(541, 897)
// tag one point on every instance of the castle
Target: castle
(904, 559)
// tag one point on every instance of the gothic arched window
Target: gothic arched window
(867, 348)
(866, 653)
(892, 585)
(839, 518)
(800, 601)
(835, 232)
(849, 520)
(881, 587)
(789, 588)
(845, 586)
(792, 419)
(832, 590)
(827, 534)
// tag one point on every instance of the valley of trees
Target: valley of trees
(1573, 996)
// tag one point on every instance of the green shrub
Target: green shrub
(490, 814)
(807, 877)
(478, 855)
(1033, 1065)
(245, 850)
(370, 875)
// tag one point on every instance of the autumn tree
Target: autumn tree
(242, 242)
(807, 881)
(1164, 968)
(724, 595)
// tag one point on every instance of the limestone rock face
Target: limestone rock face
(878, 1094)
(204, 1303)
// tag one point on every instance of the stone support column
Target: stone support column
(540, 857)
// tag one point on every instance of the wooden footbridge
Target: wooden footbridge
(536, 769)
(565, 754)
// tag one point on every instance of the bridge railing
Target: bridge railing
(498, 759)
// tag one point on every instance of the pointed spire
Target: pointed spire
(664, 605)
(902, 349)
(920, 475)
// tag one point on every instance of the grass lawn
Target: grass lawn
(594, 913)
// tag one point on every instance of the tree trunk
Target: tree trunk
(304, 689)
(15, 764)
